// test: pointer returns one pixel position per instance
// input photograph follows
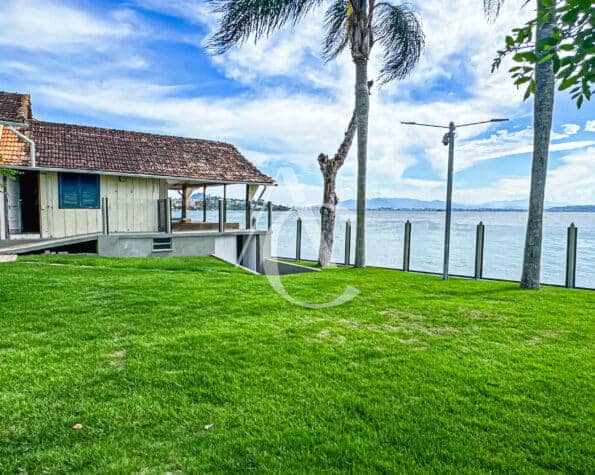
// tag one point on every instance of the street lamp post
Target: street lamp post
(450, 136)
(449, 140)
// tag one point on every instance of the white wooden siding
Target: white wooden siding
(132, 207)
(3, 224)
(132, 203)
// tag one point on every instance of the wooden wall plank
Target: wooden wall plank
(132, 207)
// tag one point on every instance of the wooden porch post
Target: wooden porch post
(224, 203)
(184, 202)
(221, 218)
(248, 210)
(204, 204)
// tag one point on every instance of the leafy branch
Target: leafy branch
(6, 171)
(570, 47)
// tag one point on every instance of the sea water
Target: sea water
(504, 240)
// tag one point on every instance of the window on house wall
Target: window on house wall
(78, 191)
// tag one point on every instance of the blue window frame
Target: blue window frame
(78, 191)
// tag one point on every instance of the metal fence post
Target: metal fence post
(248, 214)
(347, 242)
(298, 240)
(571, 256)
(221, 216)
(269, 215)
(407, 246)
(479, 247)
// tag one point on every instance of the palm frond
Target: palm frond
(336, 25)
(491, 8)
(399, 31)
(241, 19)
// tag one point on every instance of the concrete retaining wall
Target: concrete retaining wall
(275, 267)
(223, 245)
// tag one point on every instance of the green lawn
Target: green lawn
(414, 375)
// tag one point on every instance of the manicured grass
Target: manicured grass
(414, 375)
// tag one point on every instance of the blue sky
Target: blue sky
(141, 65)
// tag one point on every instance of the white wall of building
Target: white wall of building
(2, 209)
(132, 205)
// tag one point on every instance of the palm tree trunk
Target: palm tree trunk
(542, 125)
(329, 169)
(362, 107)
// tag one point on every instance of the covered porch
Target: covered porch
(213, 207)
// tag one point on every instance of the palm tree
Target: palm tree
(543, 108)
(353, 24)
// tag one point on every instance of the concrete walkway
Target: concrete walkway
(36, 245)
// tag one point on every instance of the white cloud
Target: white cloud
(501, 144)
(571, 182)
(292, 191)
(280, 55)
(50, 26)
(574, 181)
(281, 118)
(590, 126)
(17, 67)
(191, 10)
(457, 34)
(571, 129)
(289, 127)
(293, 129)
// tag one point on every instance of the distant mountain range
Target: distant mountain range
(574, 208)
(408, 204)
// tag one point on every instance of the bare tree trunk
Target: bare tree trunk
(362, 107)
(327, 211)
(542, 125)
(329, 169)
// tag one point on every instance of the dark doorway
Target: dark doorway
(241, 242)
(29, 185)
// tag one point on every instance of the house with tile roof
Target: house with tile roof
(76, 182)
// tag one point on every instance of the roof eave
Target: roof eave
(198, 181)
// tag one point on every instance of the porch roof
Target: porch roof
(111, 151)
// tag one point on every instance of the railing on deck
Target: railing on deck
(114, 217)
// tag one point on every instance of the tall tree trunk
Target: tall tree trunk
(542, 125)
(362, 107)
(361, 42)
(329, 169)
